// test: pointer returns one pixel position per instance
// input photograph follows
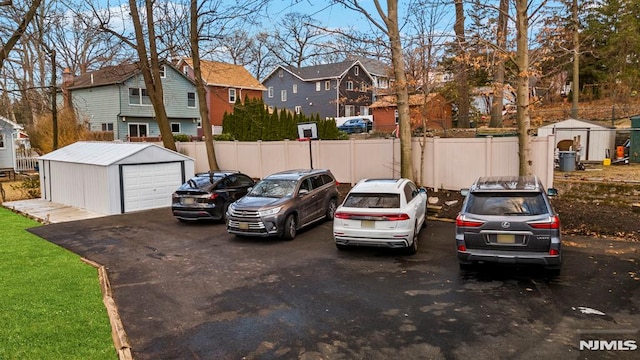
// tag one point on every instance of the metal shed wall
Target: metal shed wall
(595, 139)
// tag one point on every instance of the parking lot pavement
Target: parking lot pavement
(192, 291)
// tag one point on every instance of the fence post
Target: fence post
(352, 158)
(489, 154)
(436, 164)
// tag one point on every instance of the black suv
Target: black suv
(284, 202)
(207, 196)
(509, 220)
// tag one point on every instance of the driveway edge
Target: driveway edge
(120, 339)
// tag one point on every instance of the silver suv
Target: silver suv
(284, 202)
(509, 220)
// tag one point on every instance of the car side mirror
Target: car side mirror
(464, 192)
(422, 190)
(303, 192)
(552, 191)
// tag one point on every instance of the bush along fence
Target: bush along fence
(252, 121)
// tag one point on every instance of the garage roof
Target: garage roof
(104, 153)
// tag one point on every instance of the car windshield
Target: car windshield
(273, 188)
(372, 200)
(506, 204)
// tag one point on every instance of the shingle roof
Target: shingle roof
(105, 76)
(324, 71)
(222, 74)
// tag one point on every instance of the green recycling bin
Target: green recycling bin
(567, 160)
(634, 146)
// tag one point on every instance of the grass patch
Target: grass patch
(51, 301)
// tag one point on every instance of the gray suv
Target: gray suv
(509, 220)
(284, 202)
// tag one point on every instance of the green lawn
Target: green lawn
(50, 301)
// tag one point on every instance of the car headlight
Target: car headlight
(268, 212)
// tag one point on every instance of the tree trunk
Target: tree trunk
(522, 60)
(575, 85)
(498, 77)
(150, 68)
(402, 93)
(200, 87)
(462, 78)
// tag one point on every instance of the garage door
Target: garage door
(149, 186)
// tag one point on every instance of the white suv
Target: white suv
(382, 213)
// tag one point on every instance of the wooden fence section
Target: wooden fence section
(449, 163)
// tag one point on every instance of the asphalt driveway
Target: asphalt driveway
(192, 291)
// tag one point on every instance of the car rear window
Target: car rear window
(527, 203)
(368, 200)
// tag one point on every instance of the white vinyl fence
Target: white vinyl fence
(449, 163)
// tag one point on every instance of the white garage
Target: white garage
(113, 177)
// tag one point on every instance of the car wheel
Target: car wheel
(223, 218)
(553, 271)
(289, 231)
(413, 248)
(331, 209)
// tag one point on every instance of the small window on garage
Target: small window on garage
(175, 127)
(2, 141)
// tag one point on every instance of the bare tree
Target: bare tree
(389, 26)
(462, 77)
(200, 85)
(294, 42)
(8, 45)
(498, 76)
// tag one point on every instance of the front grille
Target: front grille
(248, 215)
(246, 226)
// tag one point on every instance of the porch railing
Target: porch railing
(26, 160)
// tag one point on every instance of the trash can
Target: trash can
(567, 160)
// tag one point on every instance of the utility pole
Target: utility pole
(54, 100)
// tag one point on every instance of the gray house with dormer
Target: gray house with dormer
(332, 90)
(114, 99)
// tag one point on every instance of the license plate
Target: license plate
(506, 239)
(367, 224)
(243, 225)
(188, 201)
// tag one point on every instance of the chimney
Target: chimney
(67, 81)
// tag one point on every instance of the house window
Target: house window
(191, 100)
(163, 71)
(383, 83)
(1, 141)
(327, 85)
(349, 85)
(356, 70)
(283, 95)
(270, 91)
(139, 96)
(107, 126)
(295, 88)
(364, 110)
(318, 86)
(298, 109)
(349, 110)
(137, 130)
(185, 70)
(280, 73)
(175, 127)
(232, 95)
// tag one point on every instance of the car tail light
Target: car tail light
(213, 196)
(378, 217)
(554, 252)
(462, 248)
(552, 223)
(462, 222)
(337, 183)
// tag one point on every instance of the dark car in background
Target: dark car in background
(207, 196)
(284, 202)
(356, 126)
(509, 220)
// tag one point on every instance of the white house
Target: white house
(9, 131)
(113, 177)
(596, 140)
